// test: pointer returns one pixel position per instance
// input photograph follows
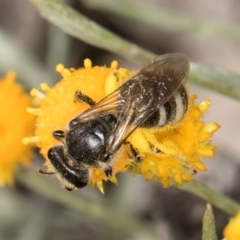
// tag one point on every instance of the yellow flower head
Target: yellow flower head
(15, 123)
(232, 230)
(181, 145)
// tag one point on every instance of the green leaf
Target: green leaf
(209, 230)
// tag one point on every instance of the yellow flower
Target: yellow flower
(232, 230)
(15, 123)
(181, 147)
(181, 144)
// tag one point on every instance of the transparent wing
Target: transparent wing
(139, 97)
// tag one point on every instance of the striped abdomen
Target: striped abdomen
(171, 112)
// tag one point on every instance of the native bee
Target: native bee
(153, 97)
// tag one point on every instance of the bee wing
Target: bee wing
(139, 97)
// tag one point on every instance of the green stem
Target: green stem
(159, 18)
(209, 195)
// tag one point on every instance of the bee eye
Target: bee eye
(73, 123)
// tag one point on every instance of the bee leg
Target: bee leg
(135, 152)
(153, 148)
(68, 188)
(108, 172)
(58, 134)
(79, 96)
(45, 172)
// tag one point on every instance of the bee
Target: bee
(153, 97)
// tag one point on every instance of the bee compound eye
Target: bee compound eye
(55, 154)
